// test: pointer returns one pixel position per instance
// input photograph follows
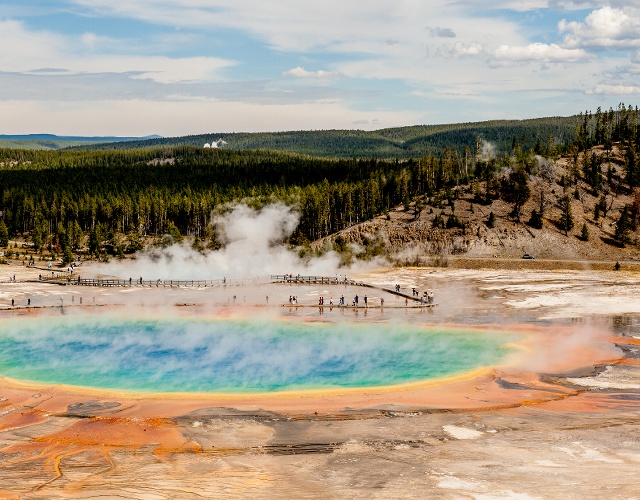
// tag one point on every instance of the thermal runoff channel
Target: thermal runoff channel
(237, 355)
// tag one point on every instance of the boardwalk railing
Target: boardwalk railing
(156, 283)
(328, 280)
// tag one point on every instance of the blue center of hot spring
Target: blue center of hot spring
(190, 355)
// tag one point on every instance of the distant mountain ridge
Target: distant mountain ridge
(53, 137)
(52, 141)
(400, 142)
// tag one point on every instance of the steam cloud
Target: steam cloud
(253, 246)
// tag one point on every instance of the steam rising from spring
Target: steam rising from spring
(253, 246)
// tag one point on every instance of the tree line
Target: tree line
(112, 200)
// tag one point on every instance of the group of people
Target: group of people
(293, 300)
(13, 302)
(356, 301)
(72, 267)
(427, 296)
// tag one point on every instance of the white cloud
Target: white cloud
(590, 4)
(357, 26)
(607, 27)
(515, 5)
(299, 72)
(92, 41)
(467, 49)
(20, 48)
(551, 53)
(28, 51)
(604, 89)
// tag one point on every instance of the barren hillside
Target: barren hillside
(412, 236)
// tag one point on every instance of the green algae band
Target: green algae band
(185, 355)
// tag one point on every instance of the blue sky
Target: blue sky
(169, 67)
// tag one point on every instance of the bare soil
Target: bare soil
(411, 238)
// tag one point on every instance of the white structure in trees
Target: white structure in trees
(216, 144)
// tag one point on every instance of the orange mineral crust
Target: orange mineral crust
(557, 418)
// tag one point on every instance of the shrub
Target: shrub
(535, 220)
(491, 222)
(584, 234)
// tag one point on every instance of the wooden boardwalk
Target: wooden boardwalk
(159, 283)
(273, 279)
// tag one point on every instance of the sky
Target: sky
(183, 67)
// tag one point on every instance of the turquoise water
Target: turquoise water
(189, 355)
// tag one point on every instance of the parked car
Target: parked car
(527, 256)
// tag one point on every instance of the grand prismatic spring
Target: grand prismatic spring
(249, 355)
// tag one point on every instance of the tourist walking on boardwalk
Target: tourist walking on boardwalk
(365, 301)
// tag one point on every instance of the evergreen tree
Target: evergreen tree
(623, 227)
(4, 234)
(515, 189)
(566, 217)
(535, 220)
(67, 256)
(584, 233)
(491, 222)
(632, 166)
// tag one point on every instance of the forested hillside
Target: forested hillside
(401, 143)
(50, 141)
(113, 201)
(58, 197)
